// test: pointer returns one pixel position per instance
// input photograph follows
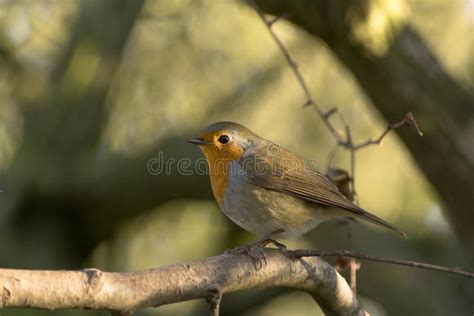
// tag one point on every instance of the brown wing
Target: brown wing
(285, 172)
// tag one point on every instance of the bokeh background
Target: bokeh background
(92, 91)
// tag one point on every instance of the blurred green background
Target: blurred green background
(91, 91)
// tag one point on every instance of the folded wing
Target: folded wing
(283, 171)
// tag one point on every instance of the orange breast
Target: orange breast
(219, 184)
(219, 166)
(219, 171)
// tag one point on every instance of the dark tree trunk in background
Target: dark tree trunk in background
(43, 210)
(400, 77)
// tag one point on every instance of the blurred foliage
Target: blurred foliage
(188, 63)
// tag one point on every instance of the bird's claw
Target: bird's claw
(255, 250)
(265, 242)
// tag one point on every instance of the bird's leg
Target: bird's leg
(262, 242)
(254, 248)
(268, 240)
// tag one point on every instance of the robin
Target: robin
(268, 190)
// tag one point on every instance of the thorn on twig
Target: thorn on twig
(330, 112)
(409, 119)
(363, 256)
(276, 19)
(214, 297)
(308, 103)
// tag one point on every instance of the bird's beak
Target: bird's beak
(198, 141)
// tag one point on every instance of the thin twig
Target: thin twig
(354, 266)
(330, 158)
(325, 116)
(345, 142)
(409, 119)
(362, 256)
(299, 77)
(276, 19)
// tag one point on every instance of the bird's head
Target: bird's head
(224, 140)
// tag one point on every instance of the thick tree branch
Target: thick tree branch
(124, 293)
(127, 292)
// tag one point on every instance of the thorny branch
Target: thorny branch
(362, 256)
(299, 77)
(342, 141)
(346, 141)
(409, 119)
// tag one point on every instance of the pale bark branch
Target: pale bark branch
(128, 292)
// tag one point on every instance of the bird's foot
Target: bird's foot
(259, 243)
(255, 250)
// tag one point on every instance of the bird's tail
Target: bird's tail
(362, 214)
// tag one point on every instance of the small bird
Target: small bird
(268, 190)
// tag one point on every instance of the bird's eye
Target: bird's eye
(223, 139)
